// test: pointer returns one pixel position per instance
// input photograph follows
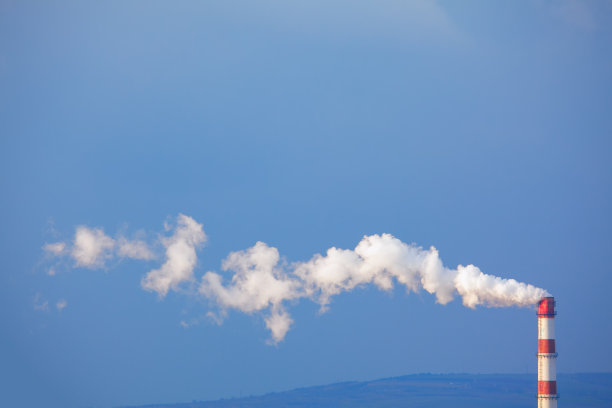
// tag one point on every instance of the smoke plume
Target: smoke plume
(259, 280)
(260, 283)
(181, 257)
(92, 247)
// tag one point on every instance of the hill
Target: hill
(431, 391)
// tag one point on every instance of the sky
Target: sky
(178, 133)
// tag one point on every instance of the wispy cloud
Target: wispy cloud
(61, 304)
(92, 248)
(187, 323)
(136, 249)
(40, 304)
(55, 249)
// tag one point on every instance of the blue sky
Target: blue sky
(481, 129)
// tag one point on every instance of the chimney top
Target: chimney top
(546, 307)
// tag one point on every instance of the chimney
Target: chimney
(547, 355)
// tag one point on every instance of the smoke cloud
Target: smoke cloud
(134, 249)
(181, 257)
(56, 248)
(61, 304)
(260, 283)
(259, 280)
(92, 247)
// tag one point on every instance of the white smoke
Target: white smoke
(61, 304)
(92, 247)
(181, 257)
(260, 283)
(136, 249)
(477, 288)
(278, 322)
(56, 248)
(40, 303)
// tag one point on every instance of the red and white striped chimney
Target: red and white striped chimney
(547, 354)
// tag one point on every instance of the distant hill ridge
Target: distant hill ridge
(586, 390)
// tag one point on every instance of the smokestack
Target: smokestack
(547, 355)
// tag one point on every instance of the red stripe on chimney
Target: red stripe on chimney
(547, 387)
